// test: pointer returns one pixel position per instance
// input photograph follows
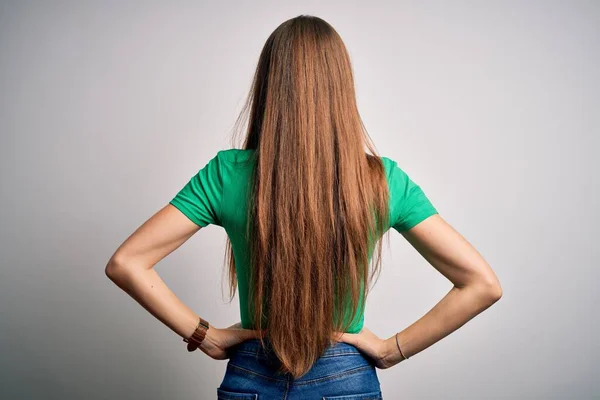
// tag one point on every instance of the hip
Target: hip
(341, 373)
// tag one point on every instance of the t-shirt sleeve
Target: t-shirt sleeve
(408, 203)
(200, 199)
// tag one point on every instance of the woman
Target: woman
(304, 207)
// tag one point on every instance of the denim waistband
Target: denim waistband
(254, 346)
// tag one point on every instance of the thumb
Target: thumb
(246, 334)
(345, 337)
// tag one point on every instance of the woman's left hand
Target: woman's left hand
(217, 341)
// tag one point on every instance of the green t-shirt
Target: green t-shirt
(216, 195)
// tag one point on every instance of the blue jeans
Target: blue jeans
(341, 373)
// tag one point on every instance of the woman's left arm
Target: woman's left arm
(131, 268)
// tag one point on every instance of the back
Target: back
(218, 194)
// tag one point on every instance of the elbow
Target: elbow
(121, 268)
(110, 271)
(486, 289)
(490, 289)
(115, 268)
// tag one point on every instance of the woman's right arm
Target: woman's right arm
(476, 287)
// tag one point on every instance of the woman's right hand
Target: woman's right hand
(380, 350)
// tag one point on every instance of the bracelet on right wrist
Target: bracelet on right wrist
(198, 335)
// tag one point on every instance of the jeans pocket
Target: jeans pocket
(359, 396)
(229, 395)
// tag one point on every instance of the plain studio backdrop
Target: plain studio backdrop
(108, 108)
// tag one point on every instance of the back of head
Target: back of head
(319, 198)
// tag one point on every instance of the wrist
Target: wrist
(211, 339)
(198, 337)
(392, 355)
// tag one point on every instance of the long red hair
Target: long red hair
(319, 198)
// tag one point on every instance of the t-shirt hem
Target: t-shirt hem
(411, 223)
(181, 207)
